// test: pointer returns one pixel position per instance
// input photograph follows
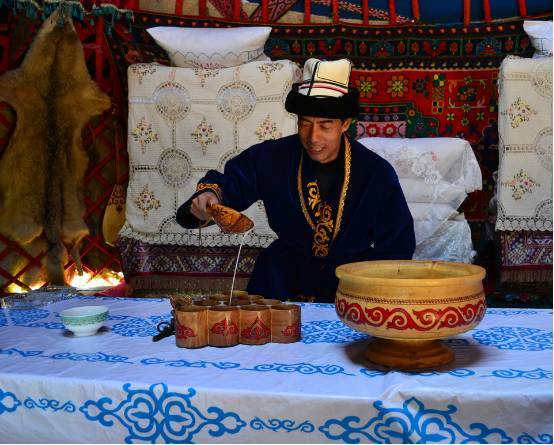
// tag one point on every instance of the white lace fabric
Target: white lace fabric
(435, 174)
(183, 122)
(524, 185)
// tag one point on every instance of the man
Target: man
(329, 199)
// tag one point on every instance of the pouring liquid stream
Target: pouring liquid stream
(236, 266)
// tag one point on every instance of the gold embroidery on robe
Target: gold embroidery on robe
(318, 213)
(212, 188)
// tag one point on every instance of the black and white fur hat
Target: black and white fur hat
(324, 91)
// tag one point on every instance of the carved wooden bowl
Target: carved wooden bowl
(407, 306)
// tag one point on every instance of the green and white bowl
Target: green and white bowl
(84, 320)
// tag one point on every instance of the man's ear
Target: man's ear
(346, 124)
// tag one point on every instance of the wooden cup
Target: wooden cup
(221, 298)
(251, 298)
(285, 323)
(236, 293)
(178, 300)
(223, 325)
(255, 324)
(237, 302)
(268, 302)
(206, 303)
(191, 326)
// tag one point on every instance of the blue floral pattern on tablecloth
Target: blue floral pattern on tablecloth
(3, 319)
(541, 438)
(8, 402)
(46, 325)
(91, 357)
(285, 425)
(156, 414)
(139, 327)
(52, 404)
(533, 374)
(461, 372)
(20, 317)
(510, 313)
(329, 331)
(301, 368)
(188, 364)
(15, 351)
(411, 423)
(517, 338)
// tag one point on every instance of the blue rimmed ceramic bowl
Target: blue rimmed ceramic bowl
(84, 320)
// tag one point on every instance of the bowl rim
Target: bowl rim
(477, 273)
(104, 310)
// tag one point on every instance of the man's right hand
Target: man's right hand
(199, 204)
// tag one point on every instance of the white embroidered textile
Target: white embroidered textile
(524, 184)
(183, 122)
(435, 174)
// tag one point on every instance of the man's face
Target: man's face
(321, 136)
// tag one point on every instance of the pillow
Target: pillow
(540, 34)
(183, 122)
(212, 48)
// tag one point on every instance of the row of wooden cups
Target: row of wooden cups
(247, 319)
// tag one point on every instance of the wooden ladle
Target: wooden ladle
(228, 219)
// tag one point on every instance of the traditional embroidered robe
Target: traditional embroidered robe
(365, 217)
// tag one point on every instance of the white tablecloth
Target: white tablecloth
(119, 386)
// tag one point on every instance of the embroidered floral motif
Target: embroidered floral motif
(175, 167)
(323, 216)
(518, 113)
(142, 69)
(267, 130)
(236, 101)
(367, 86)
(203, 74)
(325, 227)
(172, 101)
(204, 135)
(520, 184)
(147, 201)
(268, 68)
(422, 165)
(144, 134)
(397, 86)
(212, 188)
(421, 86)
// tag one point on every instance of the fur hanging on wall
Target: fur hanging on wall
(43, 167)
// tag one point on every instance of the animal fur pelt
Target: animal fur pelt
(43, 167)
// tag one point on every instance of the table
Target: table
(119, 386)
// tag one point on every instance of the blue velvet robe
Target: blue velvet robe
(376, 222)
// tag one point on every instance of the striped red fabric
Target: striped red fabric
(307, 18)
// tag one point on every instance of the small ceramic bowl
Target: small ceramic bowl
(84, 320)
